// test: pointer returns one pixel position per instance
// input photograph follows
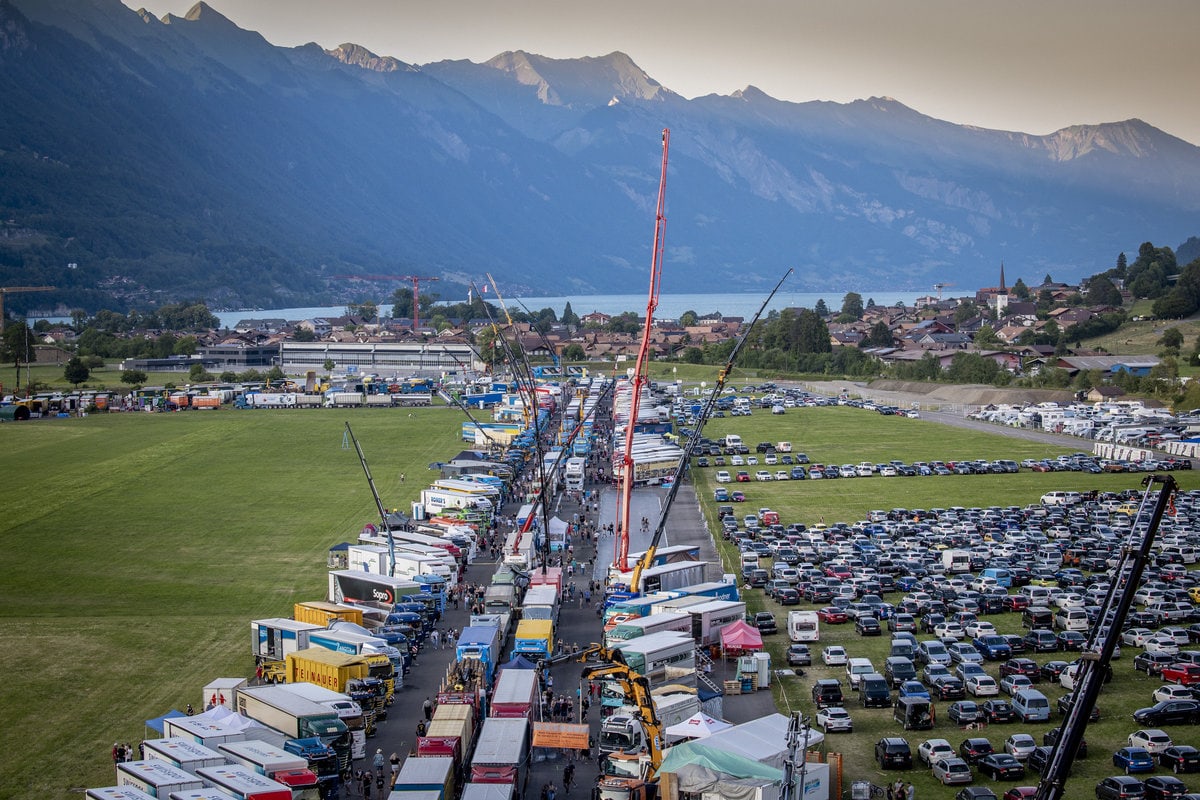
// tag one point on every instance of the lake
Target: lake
(670, 306)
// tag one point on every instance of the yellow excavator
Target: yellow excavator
(631, 745)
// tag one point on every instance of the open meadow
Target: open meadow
(139, 547)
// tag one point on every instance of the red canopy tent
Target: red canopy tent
(740, 637)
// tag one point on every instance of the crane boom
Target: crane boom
(621, 557)
(709, 405)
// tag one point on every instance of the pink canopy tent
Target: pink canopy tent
(739, 637)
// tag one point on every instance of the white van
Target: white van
(1071, 619)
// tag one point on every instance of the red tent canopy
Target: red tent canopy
(741, 636)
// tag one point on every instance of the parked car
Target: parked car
(1183, 674)
(975, 749)
(1019, 745)
(933, 750)
(765, 622)
(1133, 759)
(1169, 712)
(982, 685)
(952, 771)
(974, 792)
(834, 656)
(1180, 758)
(964, 712)
(867, 626)
(827, 692)
(835, 718)
(893, 752)
(1153, 740)
(1021, 666)
(799, 655)
(1011, 684)
(1165, 787)
(998, 711)
(1001, 767)
(1120, 787)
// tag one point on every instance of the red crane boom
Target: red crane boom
(621, 557)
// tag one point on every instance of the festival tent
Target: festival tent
(517, 662)
(740, 635)
(698, 726)
(763, 740)
(702, 770)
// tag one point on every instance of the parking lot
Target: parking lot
(890, 566)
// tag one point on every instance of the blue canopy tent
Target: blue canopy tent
(156, 724)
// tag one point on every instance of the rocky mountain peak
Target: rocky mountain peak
(359, 56)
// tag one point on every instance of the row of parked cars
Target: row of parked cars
(847, 571)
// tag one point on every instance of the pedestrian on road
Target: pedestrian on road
(569, 778)
(427, 707)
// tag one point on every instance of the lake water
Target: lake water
(670, 306)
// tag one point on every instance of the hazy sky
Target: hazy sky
(1024, 65)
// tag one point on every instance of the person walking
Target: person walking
(427, 707)
(568, 778)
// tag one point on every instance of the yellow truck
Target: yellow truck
(319, 612)
(326, 668)
(535, 637)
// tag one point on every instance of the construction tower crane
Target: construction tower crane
(940, 286)
(416, 282)
(621, 557)
(7, 290)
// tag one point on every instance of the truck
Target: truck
(321, 612)
(157, 778)
(245, 784)
(500, 751)
(500, 598)
(667, 577)
(480, 644)
(182, 753)
(956, 561)
(707, 619)
(358, 644)
(661, 658)
(294, 717)
(327, 668)
(732, 440)
(642, 626)
(277, 764)
(349, 711)
(454, 720)
(322, 759)
(541, 602)
(272, 639)
(201, 731)
(515, 694)
(426, 777)
(535, 638)
(501, 622)
(344, 399)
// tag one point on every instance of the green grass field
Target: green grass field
(140, 546)
(843, 435)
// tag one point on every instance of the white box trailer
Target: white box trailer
(201, 731)
(221, 691)
(540, 602)
(182, 753)
(117, 793)
(272, 639)
(202, 794)
(709, 618)
(245, 784)
(156, 778)
(666, 577)
(275, 763)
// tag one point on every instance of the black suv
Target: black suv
(892, 752)
(827, 692)
(765, 622)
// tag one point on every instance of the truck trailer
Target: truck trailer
(515, 694)
(155, 777)
(272, 639)
(277, 764)
(500, 751)
(182, 753)
(245, 784)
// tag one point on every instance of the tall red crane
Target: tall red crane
(621, 557)
(416, 282)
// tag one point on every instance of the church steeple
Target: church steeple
(1003, 289)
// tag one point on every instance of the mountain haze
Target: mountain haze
(186, 157)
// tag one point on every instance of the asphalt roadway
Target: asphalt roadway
(578, 625)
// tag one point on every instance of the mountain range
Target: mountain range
(184, 157)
